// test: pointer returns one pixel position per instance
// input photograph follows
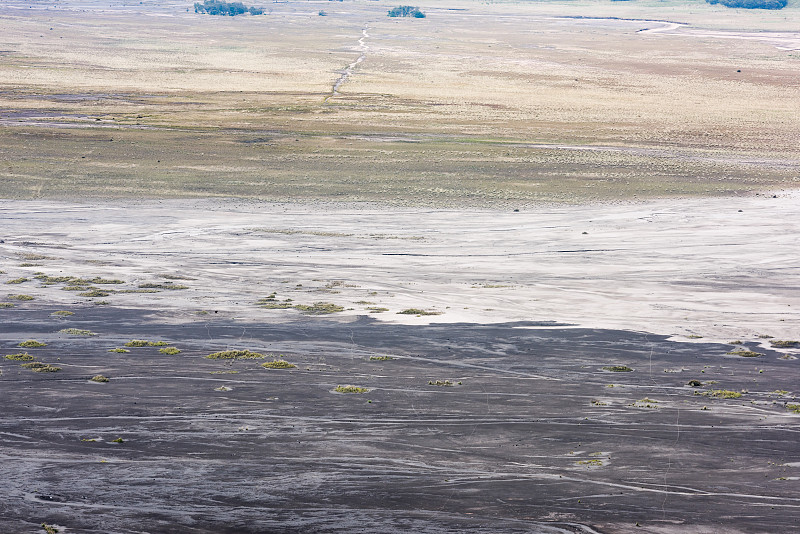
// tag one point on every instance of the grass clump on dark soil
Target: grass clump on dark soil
(380, 358)
(145, 343)
(617, 368)
(235, 355)
(62, 313)
(745, 353)
(723, 394)
(20, 357)
(20, 297)
(278, 364)
(77, 332)
(119, 350)
(446, 383)
(351, 389)
(41, 367)
(99, 378)
(32, 344)
(170, 350)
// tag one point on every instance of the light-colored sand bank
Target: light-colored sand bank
(688, 268)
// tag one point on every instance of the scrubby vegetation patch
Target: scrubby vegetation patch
(350, 389)
(32, 344)
(235, 355)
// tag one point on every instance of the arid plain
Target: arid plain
(553, 247)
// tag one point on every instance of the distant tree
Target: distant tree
(220, 7)
(751, 4)
(406, 11)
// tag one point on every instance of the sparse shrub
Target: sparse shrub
(119, 350)
(695, 383)
(380, 358)
(62, 313)
(18, 280)
(170, 350)
(278, 364)
(406, 11)
(145, 343)
(49, 529)
(98, 280)
(94, 293)
(377, 309)
(32, 344)
(118, 440)
(617, 368)
(20, 357)
(20, 297)
(99, 378)
(235, 355)
(77, 332)
(723, 394)
(784, 344)
(445, 383)
(6, 305)
(40, 367)
(319, 308)
(350, 389)
(165, 285)
(745, 353)
(418, 312)
(793, 407)
(751, 4)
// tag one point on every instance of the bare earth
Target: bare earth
(556, 244)
(531, 434)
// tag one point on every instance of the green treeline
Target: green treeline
(751, 4)
(406, 11)
(219, 7)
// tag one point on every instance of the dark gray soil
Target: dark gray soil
(529, 438)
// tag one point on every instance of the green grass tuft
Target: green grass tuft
(418, 312)
(617, 368)
(723, 394)
(20, 297)
(380, 358)
(350, 389)
(165, 285)
(118, 350)
(99, 378)
(77, 332)
(319, 308)
(62, 313)
(18, 280)
(20, 357)
(40, 367)
(745, 353)
(32, 344)
(6, 305)
(94, 293)
(170, 350)
(445, 383)
(235, 355)
(278, 364)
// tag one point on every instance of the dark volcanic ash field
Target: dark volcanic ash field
(529, 432)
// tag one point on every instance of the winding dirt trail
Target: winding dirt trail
(347, 72)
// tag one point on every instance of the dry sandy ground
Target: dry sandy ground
(720, 268)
